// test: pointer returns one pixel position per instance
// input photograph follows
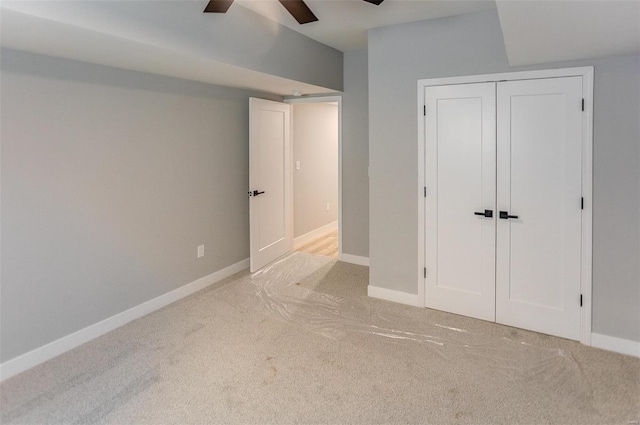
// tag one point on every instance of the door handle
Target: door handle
(486, 213)
(256, 193)
(505, 215)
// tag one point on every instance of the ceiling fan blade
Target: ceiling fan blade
(218, 6)
(299, 10)
(376, 2)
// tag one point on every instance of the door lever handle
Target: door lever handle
(486, 213)
(505, 215)
(256, 193)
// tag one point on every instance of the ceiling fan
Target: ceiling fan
(298, 8)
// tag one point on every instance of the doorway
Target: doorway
(316, 175)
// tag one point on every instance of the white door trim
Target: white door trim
(324, 99)
(587, 173)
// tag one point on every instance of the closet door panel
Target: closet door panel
(460, 173)
(539, 181)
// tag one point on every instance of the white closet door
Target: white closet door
(461, 181)
(539, 181)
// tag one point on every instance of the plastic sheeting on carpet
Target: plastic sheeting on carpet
(275, 291)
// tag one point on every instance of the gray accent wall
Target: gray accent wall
(110, 181)
(315, 184)
(355, 155)
(470, 44)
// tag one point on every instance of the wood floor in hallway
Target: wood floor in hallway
(326, 245)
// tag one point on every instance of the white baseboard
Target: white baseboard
(46, 352)
(314, 234)
(394, 296)
(618, 345)
(355, 259)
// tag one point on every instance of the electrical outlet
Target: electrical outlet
(297, 165)
(327, 206)
(200, 251)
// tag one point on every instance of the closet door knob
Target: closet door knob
(486, 213)
(505, 215)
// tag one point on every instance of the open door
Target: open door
(269, 181)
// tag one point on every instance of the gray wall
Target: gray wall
(239, 37)
(472, 44)
(110, 180)
(315, 145)
(355, 155)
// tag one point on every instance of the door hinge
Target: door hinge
(425, 110)
(425, 272)
(425, 191)
(580, 300)
(583, 103)
(582, 203)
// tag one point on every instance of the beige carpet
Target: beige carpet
(299, 342)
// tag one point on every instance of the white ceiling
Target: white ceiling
(553, 31)
(535, 31)
(343, 24)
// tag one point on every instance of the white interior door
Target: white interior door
(539, 181)
(269, 181)
(461, 186)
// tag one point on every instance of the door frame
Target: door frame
(587, 174)
(318, 99)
